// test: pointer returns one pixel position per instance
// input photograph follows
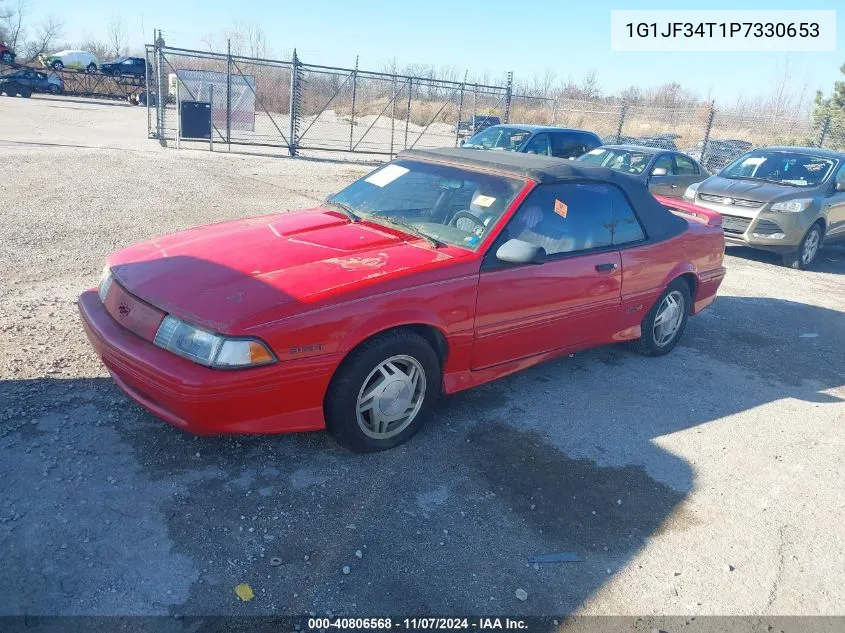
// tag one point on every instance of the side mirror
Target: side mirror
(518, 252)
(840, 181)
(659, 171)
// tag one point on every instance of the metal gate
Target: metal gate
(306, 106)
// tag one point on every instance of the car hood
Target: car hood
(228, 276)
(752, 189)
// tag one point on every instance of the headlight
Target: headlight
(105, 283)
(210, 349)
(689, 194)
(793, 206)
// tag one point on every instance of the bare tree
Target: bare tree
(788, 97)
(102, 50)
(46, 33)
(28, 41)
(117, 37)
(590, 86)
(247, 39)
(632, 95)
(391, 67)
(256, 40)
(12, 16)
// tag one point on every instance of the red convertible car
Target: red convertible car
(440, 271)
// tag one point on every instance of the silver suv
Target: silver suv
(787, 200)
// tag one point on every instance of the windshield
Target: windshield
(784, 168)
(447, 204)
(508, 138)
(626, 161)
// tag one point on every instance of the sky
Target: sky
(528, 37)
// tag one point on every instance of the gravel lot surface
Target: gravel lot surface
(709, 481)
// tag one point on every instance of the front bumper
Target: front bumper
(766, 230)
(280, 398)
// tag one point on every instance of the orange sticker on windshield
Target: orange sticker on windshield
(560, 208)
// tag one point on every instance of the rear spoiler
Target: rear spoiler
(684, 208)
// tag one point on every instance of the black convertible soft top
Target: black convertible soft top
(659, 223)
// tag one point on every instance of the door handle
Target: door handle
(603, 268)
(674, 186)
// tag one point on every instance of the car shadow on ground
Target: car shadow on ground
(237, 149)
(109, 510)
(831, 259)
(41, 144)
(97, 102)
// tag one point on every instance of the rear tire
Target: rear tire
(807, 251)
(25, 92)
(11, 89)
(7, 57)
(664, 324)
(383, 391)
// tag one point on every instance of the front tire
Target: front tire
(383, 391)
(53, 89)
(11, 89)
(807, 251)
(25, 92)
(91, 68)
(664, 324)
(7, 57)
(57, 65)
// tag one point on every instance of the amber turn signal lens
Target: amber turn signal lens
(258, 354)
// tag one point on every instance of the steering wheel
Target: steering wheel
(467, 215)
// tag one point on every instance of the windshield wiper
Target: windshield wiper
(774, 182)
(346, 209)
(408, 227)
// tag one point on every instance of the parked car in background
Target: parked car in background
(70, 60)
(141, 98)
(665, 173)
(26, 81)
(535, 139)
(719, 152)
(787, 200)
(663, 141)
(438, 272)
(132, 66)
(7, 55)
(476, 123)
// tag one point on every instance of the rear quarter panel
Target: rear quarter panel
(648, 269)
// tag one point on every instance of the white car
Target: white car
(70, 60)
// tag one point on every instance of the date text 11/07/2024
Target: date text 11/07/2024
(723, 29)
(419, 623)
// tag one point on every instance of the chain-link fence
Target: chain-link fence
(304, 106)
(298, 106)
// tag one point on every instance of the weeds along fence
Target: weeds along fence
(297, 106)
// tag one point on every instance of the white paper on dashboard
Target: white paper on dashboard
(386, 175)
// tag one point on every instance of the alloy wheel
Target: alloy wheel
(811, 246)
(668, 319)
(391, 397)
